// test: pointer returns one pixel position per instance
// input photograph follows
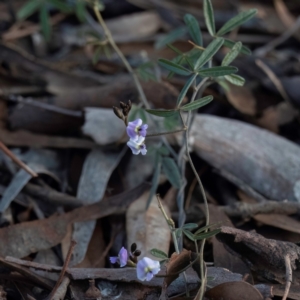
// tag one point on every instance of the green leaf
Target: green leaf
(28, 9)
(230, 44)
(45, 24)
(235, 79)
(237, 21)
(190, 226)
(155, 180)
(171, 37)
(206, 235)
(194, 29)
(176, 50)
(80, 10)
(162, 112)
(207, 227)
(173, 67)
(178, 232)
(60, 5)
(217, 71)
(209, 52)
(197, 103)
(209, 17)
(232, 54)
(189, 235)
(172, 172)
(158, 253)
(185, 89)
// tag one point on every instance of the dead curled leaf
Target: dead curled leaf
(238, 290)
(25, 238)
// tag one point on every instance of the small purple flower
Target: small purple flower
(135, 129)
(121, 258)
(137, 146)
(146, 268)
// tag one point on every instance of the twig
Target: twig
(288, 276)
(247, 210)
(262, 51)
(17, 161)
(275, 80)
(63, 271)
(62, 289)
(46, 106)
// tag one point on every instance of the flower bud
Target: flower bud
(118, 112)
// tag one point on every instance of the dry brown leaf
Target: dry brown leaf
(147, 228)
(25, 238)
(242, 98)
(238, 290)
(278, 115)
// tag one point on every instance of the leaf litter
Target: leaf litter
(56, 121)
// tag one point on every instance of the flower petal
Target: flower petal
(123, 257)
(114, 259)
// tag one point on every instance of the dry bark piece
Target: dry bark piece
(238, 290)
(266, 257)
(147, 228)
(268, 163)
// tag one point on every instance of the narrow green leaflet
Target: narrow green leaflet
(170, 168)
(206, 235)
(197, 103)
(185, 89)
(189, 235)
(209, 17)
(173, 67)
(155, 180)
(217, 71)
(178, 232)
(235, 79)
(171, 37)
(45, 24)
(194, 29)
(162, 112)
(232, 54)
(209, 52)
(158, 253)
(230, 44)
(237, 21)
(80, 10)
(190, 226)
(175, 49)
(28, 9)
(63, 7)
(207, 227)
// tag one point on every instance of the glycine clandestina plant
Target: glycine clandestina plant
(197, 66)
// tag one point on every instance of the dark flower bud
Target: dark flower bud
(118, 112)
(133, 247)
(123, 105)
(137, 253)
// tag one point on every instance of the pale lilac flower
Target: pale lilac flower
(146, 268)
(137, 146)
(135, 129)
(121, 258)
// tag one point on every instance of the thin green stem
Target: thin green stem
(130, 71)
(165, 132)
